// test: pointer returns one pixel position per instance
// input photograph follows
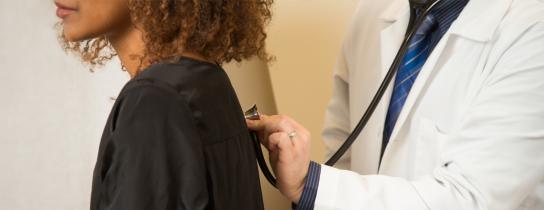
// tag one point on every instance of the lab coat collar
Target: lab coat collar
(478, 21)
(395, 11)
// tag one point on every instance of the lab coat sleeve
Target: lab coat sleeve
(493, 161)
(337, 118)
(157, 157)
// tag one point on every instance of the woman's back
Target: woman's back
(176, 139)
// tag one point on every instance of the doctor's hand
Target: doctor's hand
(288, 144)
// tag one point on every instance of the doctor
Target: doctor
(462, 126)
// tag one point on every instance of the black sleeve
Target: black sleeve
(157, 160)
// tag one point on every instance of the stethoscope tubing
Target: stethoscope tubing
(260, 159)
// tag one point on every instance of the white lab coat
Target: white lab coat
(471, 134)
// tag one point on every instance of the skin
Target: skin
(87, 19)
(290, 158)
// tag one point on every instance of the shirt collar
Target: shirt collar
(478, 21)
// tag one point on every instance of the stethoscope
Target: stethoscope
(425, 6)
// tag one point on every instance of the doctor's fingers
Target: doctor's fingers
(299, 135)
(259, 127)
(293, 146)
(269, 125)
(280, 144)
(284, 123)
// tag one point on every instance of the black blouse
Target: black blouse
(176, 139)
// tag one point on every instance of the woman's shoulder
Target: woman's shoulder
(186, 73)
(195, 83)
(190, 79)
(154, 98)
(202, 89)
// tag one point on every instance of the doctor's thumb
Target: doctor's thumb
(257, 125)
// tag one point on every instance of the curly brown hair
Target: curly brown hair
(219, 30)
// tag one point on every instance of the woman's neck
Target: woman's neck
(130, 47)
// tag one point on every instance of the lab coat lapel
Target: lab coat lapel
(419, 85)
(395, 19)
(478, 22)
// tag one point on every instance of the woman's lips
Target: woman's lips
(64, 11)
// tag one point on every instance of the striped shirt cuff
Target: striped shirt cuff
(309, 193)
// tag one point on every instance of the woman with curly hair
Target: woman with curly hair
(176, 137)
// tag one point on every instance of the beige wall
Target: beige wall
(253, 86)
(305, 36)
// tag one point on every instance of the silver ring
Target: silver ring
(292, 135)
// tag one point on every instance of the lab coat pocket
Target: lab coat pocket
(429, 147)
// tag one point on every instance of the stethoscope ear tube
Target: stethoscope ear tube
(412, 29)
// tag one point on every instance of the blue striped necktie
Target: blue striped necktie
(418, 51)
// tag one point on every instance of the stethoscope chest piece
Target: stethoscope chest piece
(252, 113)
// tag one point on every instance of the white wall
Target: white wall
(52, 111)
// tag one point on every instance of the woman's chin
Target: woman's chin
(72, 36)
(72, 33)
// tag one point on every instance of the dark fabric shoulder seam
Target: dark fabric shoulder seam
(136, 85)
(162, 86)
(140, 83)
(129, 88)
